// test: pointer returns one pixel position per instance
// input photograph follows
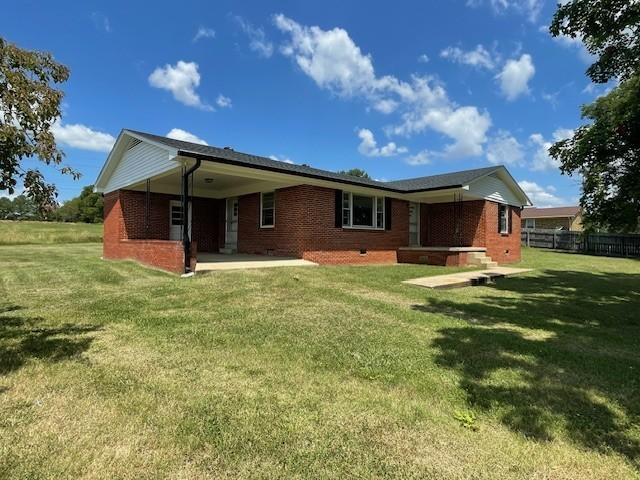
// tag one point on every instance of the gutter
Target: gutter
(186, 241)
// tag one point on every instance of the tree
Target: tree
(606, 151)
(87, 208)
(19, 208)
(609, 30)
(29, 106)
(356, 172)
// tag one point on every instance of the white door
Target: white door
(175, 220)
(231, 230)
(414, 224)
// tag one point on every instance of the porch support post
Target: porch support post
(186, 241)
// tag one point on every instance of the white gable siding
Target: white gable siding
(139, 163)
(494, 189)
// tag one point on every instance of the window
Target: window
(503, 218)
(267, 209)
(362, 211)
(176, 214)
(530, 223)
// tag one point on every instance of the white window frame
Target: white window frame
(506, 223)
(526, 223)
(262, 194)
(374, 199)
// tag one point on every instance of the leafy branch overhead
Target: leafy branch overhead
(606, 151)
(29, 106)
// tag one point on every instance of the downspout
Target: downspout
(186, 241)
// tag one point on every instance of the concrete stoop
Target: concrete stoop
(480, 259)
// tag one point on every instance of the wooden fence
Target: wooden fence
(609, 244)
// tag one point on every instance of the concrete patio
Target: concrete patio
(239, 261)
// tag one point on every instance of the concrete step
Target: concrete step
(228, 250)
(477, 255)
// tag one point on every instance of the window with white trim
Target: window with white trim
(267, 209)
(362, 211)
(503, 218)
(529, 223)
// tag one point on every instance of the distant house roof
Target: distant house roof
(550, 212)
(433, 182)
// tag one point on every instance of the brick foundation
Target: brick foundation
(448, 259)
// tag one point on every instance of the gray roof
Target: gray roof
(226, 155)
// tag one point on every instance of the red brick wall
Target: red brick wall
(479, 228)
(305, 227)
(449, 259)
(438, 224)
(502, 248)
(125, 234)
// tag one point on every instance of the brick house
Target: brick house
(243, 203)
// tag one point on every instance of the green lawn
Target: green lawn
(23, 232)
(112, 370)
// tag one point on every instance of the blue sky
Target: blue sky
(401, 89)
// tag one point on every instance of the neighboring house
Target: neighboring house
(556, 218)
(249, 204)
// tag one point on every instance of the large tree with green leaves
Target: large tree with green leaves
(356, 172)
(606, 151)
(86, 207)
(29, 106)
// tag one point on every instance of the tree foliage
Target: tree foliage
(356, 172)
(606, 151)
(609, 30)
(87, 208)
(18, 208)
(29, 106)
(607, 155)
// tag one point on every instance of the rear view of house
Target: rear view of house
(167, 200)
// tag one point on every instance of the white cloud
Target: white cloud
(179, 134)
(101, 21)
(541, 158)
(424, 58)
(571, 43)
(334, 62)
(223, 102)
(329, 57)
(204, 32)
(515, 75)
(281, 158)
(530, 8)
(479, 57)
(369, 147)
(467, 126)
(505, 149)
(257, 39)
(420, 158)
(181, 80)
(82, 137)
(540, 196)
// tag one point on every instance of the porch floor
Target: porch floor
(239, 261)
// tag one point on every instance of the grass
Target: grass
(25, 233)
(112, 370)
